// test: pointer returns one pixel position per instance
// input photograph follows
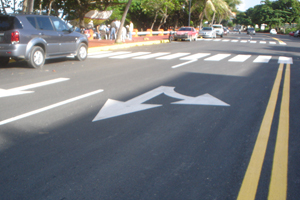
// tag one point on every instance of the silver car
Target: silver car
(208, 32)
(36, 38)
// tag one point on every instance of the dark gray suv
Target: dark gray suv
(37, 37)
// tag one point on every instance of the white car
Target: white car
(273, 31)
(219, 29)
(208, 32)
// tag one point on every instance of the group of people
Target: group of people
(111, 31)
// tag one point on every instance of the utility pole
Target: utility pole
(190, 12)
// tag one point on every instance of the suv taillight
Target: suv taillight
(15, 37)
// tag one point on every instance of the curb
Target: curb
(123, 46)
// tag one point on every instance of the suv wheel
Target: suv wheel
(81, 52)
(4, 61)
(37, 57)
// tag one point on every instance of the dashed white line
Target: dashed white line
(172, 56)
(217, 57)
(240, 58)
(262, 59)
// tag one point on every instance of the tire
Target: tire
(4, 61)
(36, 57)
(81, 54)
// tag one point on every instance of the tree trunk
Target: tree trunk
(213, 19)
(201, 16)
(154, 20)
(119, 40)
(2, 4)
(50, 7)
(40, 6)
(24, 8)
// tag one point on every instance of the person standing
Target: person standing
(130, 30)
(113, 30)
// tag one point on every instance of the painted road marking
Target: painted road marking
(262, 59)
(123, 56)
(217, 57)
(172, 56)
(20, 90)
(244, 41)
(225, 40)
(263, 42)
(48, 107)
(240, 58)
(253, 42)
(109, 54)
(98, 53)
(154, 55)
(278, 184)
(217, 40)
(185, 63)
(195, 56)
(252, 176)
(272, 42)
(285, 60)
(234, 40)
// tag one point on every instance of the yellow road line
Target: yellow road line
(251, 179)
(280, 41)
(278, 184)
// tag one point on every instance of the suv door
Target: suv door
(47, 32)
(68, 38)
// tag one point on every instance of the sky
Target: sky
(247, 4)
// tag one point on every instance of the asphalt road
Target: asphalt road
(199, 120)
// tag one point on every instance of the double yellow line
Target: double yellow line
(278, 183)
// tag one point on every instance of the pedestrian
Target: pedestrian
(113, 30)
(124, 32)
(130, 30)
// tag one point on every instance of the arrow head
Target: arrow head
(113, 108)
(205, 99)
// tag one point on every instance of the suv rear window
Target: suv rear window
(8, 23)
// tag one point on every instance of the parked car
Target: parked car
(226, 31)
(208, 32)
(273, 31)
(219, 29)
(292, 33)
(250, 31)
(37, 37)
(186, 33)
(297, 33)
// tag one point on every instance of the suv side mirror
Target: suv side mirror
(71, 30)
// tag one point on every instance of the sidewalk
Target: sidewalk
(104, 45)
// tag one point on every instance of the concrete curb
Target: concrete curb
(123, 46)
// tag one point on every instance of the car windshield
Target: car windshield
(185, 29)
(207, 29)
(217, 26)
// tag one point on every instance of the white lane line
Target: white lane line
(200, 39)
(130, 55)
(263, 42)
(40, 84)
(48, 107)
(99, 53)
(234, 40)
(195, 56)
(282, 43)
(172, 56)
(225, 40)
(208, 39)
(185, 63)
(110, 54)
(244, 41)
(285, 60)
(217, 57)
(240, 58)
(154, 55)
(253, 42)
(262, 59)
(217, 40)
(272, 42)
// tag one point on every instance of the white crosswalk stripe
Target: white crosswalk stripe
(130, 55)
(285, 60)
(109, 54)
(195, 56)
(154, 55)
(217, 57)
(172, 56)
(262, 59)
(262, 42)
(239, 58)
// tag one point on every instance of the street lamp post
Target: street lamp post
(190, 12)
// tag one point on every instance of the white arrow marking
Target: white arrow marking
(113, 108)
(19, 90)
(48, 107)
